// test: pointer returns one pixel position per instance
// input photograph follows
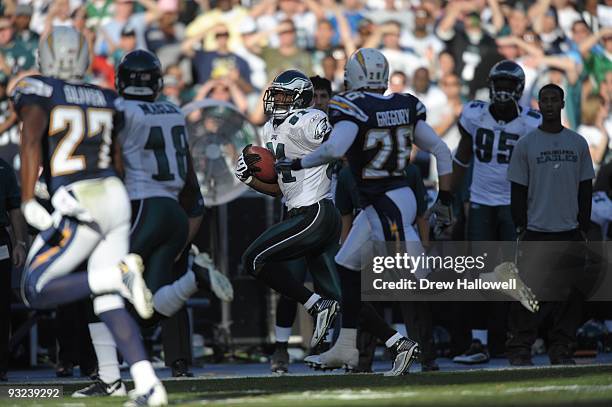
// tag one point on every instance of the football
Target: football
(266, 172)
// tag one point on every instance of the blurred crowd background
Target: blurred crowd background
(229, 50)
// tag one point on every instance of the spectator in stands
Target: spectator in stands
(225, 12)
(517, 19)
(398, 83)
(447, 127)
(223, 90)
(23, 34)
(14, 55)
(322, 93)
(322, 45)
(353, 12)
(546, 25)
(431, 95)
(597, 64)
(399, 59)
(250, 51)
(124, 16)
(221, 63)
(287, 55)
(12, 253)
(594, 111)
(467, 42)
(167, 30)
(422, 40)
(303, 14)
(127, 43)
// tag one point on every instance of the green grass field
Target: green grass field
(584, 385)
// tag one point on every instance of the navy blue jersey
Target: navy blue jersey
(82, 122)
(381, 150)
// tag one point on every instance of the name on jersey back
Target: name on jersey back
(80, 95)
(393, 117)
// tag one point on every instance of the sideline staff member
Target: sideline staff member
(10, 255)
(551, 172)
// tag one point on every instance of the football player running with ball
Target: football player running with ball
(68, 128)
(376, 133)
(312, 227)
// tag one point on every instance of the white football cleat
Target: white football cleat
(140, 296)
(338, 357)
(506, 272)
(155, 396)
(208, 276)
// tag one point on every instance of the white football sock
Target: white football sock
(143, 375)
(105, 280)
(391, 341)
(282, 333)
(481, 335)
(312, 301)
(106, 352)
(347, 337)
(171, 298)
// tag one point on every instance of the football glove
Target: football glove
(36, 215)
(244, 166)
(287, 164)
(443, 209)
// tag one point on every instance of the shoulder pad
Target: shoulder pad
(342, 104)
(474, 108)
(315, 123)
(533, 115)
(120, 104)
(31, 86)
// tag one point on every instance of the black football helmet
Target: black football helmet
(139, 76)
(289, 91)
(508, 70)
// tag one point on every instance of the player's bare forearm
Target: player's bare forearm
(444, 182)
(194, 226)
(34, 125)
(347, 222)
(423, 227)
(264, 187)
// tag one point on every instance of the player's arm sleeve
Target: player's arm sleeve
(342, 199)
(426, 139)
(341, 138)
(190, 197)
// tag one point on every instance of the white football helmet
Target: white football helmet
(63, 54)
(367, 68)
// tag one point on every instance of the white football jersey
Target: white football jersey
(155, 149)
(492, 144)
(299, 134)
